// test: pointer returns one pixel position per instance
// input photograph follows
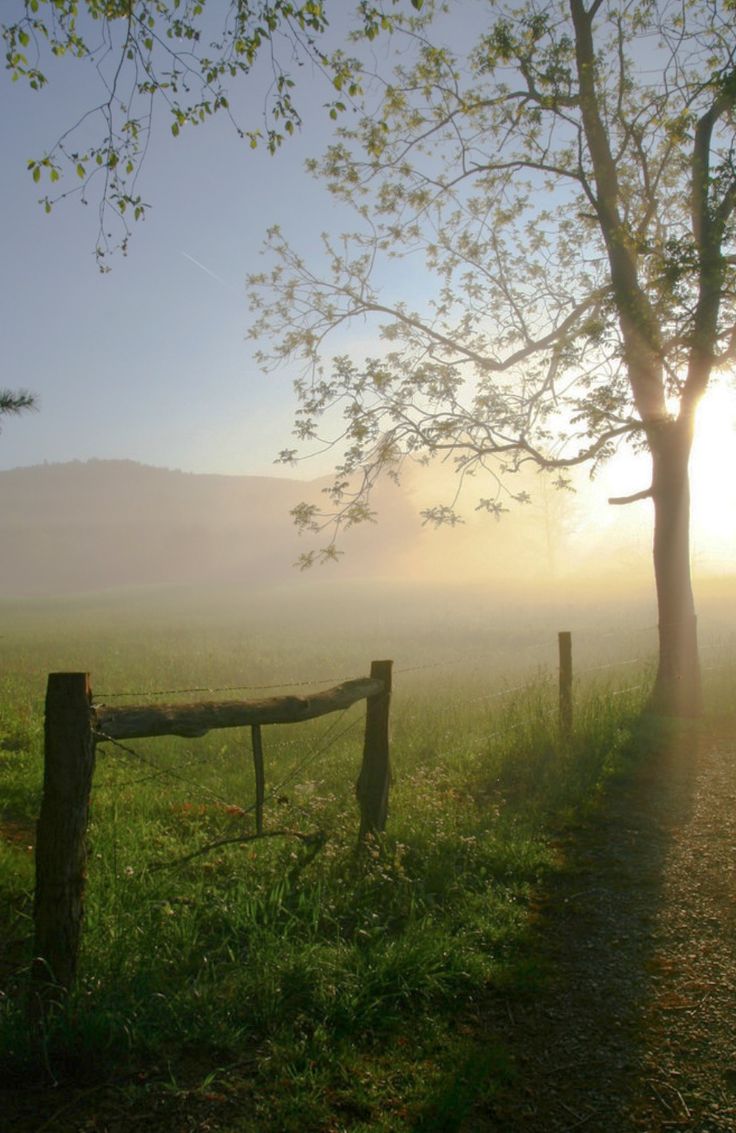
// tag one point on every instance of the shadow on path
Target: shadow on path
(635, 1028)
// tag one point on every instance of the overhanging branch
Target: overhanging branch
(648, 493)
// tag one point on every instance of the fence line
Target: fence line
(74, 725)
(76, 722)
(451, 662)
(159, 772)
(219, 688)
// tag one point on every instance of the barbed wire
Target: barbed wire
(611, 665)
(322, 745)
(312, 757)
(526, 687)
(219, 688)
(159, 771)
(464, 659)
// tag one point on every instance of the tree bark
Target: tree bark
(677, 688)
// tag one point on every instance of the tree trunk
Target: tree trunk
(677, 688)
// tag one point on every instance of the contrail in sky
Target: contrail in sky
(203, 268)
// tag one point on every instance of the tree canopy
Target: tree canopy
(182, 57)
(569, 184)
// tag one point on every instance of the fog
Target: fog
(83, 528)
(89, 527)
(103, 556)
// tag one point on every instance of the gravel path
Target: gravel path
(637, 1030)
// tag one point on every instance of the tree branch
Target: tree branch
(645, 495)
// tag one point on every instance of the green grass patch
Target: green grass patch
(302, 984)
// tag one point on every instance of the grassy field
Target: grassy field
(291, 983)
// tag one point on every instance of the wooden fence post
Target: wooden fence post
(375, 772)
(61, 849)
(565, 649)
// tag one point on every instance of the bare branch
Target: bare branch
(620, 500)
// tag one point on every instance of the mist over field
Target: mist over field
(104, 561)
(87, 527)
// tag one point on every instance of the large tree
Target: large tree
(569, 184)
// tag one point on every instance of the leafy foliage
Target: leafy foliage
(15, 401)
(556, 208)
(182, 54)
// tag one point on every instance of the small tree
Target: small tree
(15, 401)
(570, 187)
(182, 56)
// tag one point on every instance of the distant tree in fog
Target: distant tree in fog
(569, 186)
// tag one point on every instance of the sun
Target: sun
(712, 483)
(713, 480)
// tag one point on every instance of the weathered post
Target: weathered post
(61, 842)
(565, 649)
(375, 773)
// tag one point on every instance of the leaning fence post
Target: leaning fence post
(61, 849)
(564, 639)
(375, 772)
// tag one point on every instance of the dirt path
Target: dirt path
(637, 1031)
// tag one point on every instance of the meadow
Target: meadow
(294, 983)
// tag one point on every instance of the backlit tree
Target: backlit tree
(569, 187)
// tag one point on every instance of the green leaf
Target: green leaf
(81, 172)
(37, 173)
(175, 129)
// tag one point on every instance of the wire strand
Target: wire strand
(158, 770)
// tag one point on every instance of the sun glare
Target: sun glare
(713, 480)
(713, 487)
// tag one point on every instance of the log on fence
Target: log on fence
(143, 720)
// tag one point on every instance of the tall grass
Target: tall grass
(305, 978)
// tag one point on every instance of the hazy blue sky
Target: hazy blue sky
(150, 361)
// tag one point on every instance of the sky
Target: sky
(149, 361)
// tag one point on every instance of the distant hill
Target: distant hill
(101, 524)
